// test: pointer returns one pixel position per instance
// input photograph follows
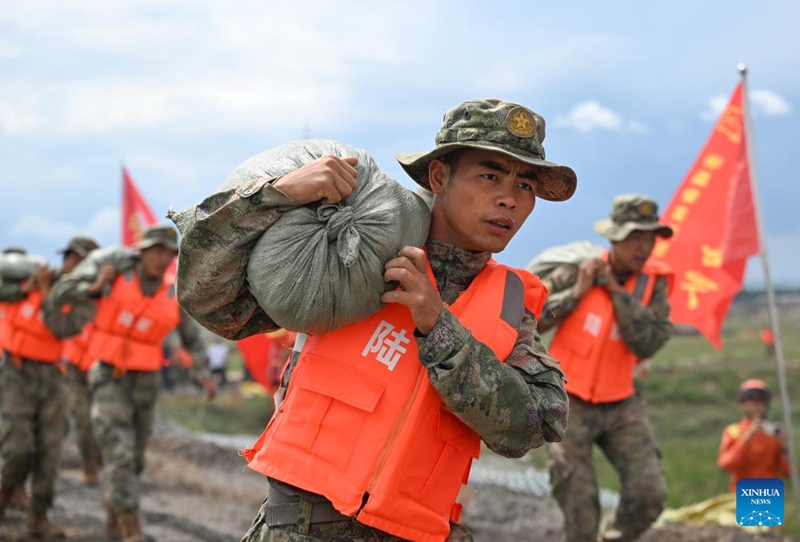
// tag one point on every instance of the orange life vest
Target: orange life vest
(76, 349)
(130, 327)
(24, 333)
(361, 418)
(594, 357)
(762, 456)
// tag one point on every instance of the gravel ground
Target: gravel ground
(198, 490)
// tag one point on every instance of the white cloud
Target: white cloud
(770, 103)
(103, 226)
(589, 116)
(764, 102)
(638, 127)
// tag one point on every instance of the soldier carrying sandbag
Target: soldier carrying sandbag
(382, 418)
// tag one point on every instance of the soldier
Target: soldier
(611, 312)
(135, 312)
(77, 362)
(381, 419)
(754, 447)
(34, 399)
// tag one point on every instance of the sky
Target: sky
(181, 92)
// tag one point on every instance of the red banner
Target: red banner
(265, 355)
(136, 213)
(713, 217)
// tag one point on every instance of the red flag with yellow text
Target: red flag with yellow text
(713, 217)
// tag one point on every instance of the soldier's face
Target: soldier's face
(483, 202)
(156, 260)
(630, 254)
(71, 260)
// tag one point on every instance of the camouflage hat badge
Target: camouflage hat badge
(158, 235)
(498, 126)
(80, 246)
(631, 212)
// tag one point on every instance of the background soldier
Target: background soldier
(133, 318)
(486, 172)
(34, 399)
(611, 312)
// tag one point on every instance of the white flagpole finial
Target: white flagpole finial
(742, 69)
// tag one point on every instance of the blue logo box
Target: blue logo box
(759, 502)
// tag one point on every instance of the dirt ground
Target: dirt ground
(196, 491)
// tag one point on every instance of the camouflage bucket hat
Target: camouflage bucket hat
(158, 235)
(629, 213)
(80, 246)
(499, 126)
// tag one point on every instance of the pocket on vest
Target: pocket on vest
(450, 460)
(324, 419)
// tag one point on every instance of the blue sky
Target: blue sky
(183, 91)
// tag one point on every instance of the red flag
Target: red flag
(265, 355)
(713, 217)
(136, 213)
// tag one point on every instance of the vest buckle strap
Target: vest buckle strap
(287, 514)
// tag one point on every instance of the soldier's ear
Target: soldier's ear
(438, 173)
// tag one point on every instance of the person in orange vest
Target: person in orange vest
(77, 362)
(381, 419)
(34, 399)
(753, 447)
(136, 310)
(768, 340)
(610, 313)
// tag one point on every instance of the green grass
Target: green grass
(229, 413)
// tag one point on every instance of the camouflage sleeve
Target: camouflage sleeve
(560, 302)
(11, 292)
(645, 329)
(69, 289)
(514, 406)
(217, 237)
(66, 320)
(193, 342)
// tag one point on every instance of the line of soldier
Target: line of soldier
(105, 328)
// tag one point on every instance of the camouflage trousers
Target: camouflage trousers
(80, 408)
(123, 407)
(623, 433)
(352, 530)
(34, 424)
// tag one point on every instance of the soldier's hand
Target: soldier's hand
(328, 179)
(755, 427)
(104, 276)
(587, 273)
(43, 278)
(416, 292)
(607, 279)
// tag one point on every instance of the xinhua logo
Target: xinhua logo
(759, 502)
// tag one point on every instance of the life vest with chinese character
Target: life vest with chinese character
(594, 357)
(24, 333)
(76, 349)
(130, 326)
(362, 425)
(762, 456)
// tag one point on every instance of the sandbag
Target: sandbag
(320, 267)
(121, 258)
(570, 254)
(15, 267)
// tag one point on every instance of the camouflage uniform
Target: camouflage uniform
(123, 405)
(34, 421)
(621, 429)
(514, 406)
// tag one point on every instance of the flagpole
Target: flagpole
(771, 304)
